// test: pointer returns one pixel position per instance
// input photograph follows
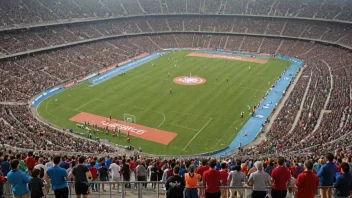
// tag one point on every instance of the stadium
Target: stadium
(178, 80)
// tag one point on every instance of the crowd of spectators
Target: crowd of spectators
(22, 78)
(192, 177)
(20, 129)
(29, 12)
(29, 39)
(324, 122)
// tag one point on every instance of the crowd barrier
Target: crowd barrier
(138, 190)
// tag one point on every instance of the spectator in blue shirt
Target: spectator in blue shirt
(249, 164)
(18, 180)
(317, 166)
(327, 176)
(64, 164)
(5, 165)
(343, 185)
(270, 167)
(217, 166)
(183, 170)
(58, 177)
(108, 162)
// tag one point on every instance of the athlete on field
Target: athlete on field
(170, 90)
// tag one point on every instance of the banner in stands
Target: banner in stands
(45, 95)
(107, 69)
(133, 59)
(87, 77)
(69, 85)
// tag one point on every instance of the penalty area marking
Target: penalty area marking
(198, 133)
(142, 109)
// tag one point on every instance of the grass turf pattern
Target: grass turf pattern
(204, 116)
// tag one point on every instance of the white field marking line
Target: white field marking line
(140, 108)
(49, 112)
(183, 127)
(84, 105)
(59, 105)
(229, 130)
(71, 109)
(198, 133)
(154, 111)
(190, 114)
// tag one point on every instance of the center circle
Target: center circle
(189, 80)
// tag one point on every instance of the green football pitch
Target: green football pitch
(205, 117)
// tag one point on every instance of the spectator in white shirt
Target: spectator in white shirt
(115, 172)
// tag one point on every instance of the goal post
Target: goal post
(129, 118)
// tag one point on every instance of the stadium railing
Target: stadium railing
(139, 191)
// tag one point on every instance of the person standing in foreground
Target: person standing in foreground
(141, 173)
(259, 180)
(201, 171)
(154, 172)
(175, 185)
(192, 180)
(224, 175)
(115, 171)
(2, 181)
(93, 170)
(81, 174)
(36, 185)
(280, 178)
(327, 176)
(212, 181)
(18, 180)
(126, 172)
(343, 185)
(237, 178)
(103, 176)
(307, 182)
(57, 176)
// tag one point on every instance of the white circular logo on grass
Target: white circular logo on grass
(186, 80)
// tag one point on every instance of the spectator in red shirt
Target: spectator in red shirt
(93, 171)
(170, 171)
(224, 175)
(203, 168)
(244, 168)
(280, 177)
(201, 171)
(307, 182)
(30, 161)
(212, 181)
(339, 162)
(132, 165)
